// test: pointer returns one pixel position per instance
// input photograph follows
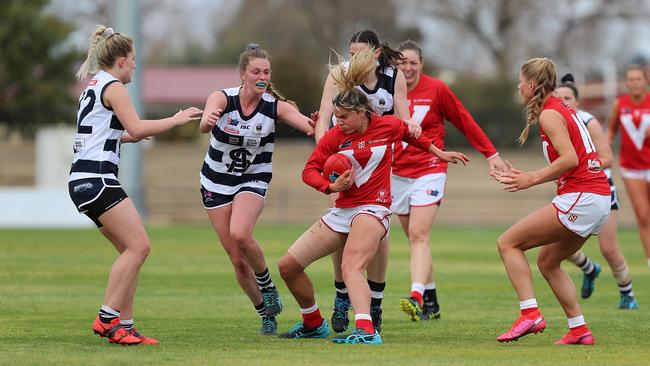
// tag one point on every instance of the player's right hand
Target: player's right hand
(184, 116)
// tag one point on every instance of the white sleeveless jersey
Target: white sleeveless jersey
(381, 97)
(585, 117)
(241, 147)
(97, 142)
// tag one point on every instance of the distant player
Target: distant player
(237, 171)
(105, 112)
(568, 92)
(579, 210)
(360, 219)
(631, 112)
(418, 178)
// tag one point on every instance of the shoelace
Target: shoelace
(341, 311)
(269, 298)
(267, 325)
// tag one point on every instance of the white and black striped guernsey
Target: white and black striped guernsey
(241, 147)
(381, 97)
(97, 142)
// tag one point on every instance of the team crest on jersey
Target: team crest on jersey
(93, 82)
(233, 122)
(361, 145)
(382, 102)
(347, 143)
(258, 128)
(382, 196)
(432, 192)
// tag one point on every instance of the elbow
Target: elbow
(572, 162)
(137, 134)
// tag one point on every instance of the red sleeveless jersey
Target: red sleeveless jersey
(432, 102)
(634, 120)
(588, 175)
(370, 154)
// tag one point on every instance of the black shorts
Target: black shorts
(216, 200)
(94, 196)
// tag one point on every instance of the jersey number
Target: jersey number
(90, 96)
(584, 134)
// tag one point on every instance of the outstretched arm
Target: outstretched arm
(292, 116)
(326, 109)
(117, 97)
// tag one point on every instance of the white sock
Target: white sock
(528, 304)
(417, 287)
(362, 317)
(430, 286)
(309, 310)
(577, 321)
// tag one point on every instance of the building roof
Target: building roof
(180, 84)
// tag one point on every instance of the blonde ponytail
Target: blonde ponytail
(349, 97)
(104, 48)
(543, 73)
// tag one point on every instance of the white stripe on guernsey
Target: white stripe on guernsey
(362, 317)
(417, 287)
(377, 294)
(430, 286)
(576, 322)
(309, 310)
(528, 304)
(252, 169)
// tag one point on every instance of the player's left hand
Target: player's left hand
(496, 164)
(453, 157)
(415, 130)
(513, 181)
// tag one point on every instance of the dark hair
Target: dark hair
(567, 81)
(410, 45)
(387, 56)
(252, 51)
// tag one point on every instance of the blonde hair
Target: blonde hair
(360, 66)
(543, 73)
(104, 48)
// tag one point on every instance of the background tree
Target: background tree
(35, 70)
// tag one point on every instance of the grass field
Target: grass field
(52, 282)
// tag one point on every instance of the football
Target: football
(336, 165)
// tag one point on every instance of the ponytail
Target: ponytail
(104, 48)
(543, 73)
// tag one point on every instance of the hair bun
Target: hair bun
(252, 46)
(568, 78)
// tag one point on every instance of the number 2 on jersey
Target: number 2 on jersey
(90, 96)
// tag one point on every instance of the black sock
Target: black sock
(264, 279)
(430, 297)
(261, 310)
(341, 290)
(376, 292)
(108, 314)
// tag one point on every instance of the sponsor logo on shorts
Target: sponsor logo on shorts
(82, 187)
(432, 192)
(572, 218)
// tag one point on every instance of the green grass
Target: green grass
(52, 283)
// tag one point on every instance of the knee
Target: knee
(289, 267)
(418, 238)
(503, 244)
(546, 265)
(643, 220)
(240, 237)
(141, 249)
(349, 268)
